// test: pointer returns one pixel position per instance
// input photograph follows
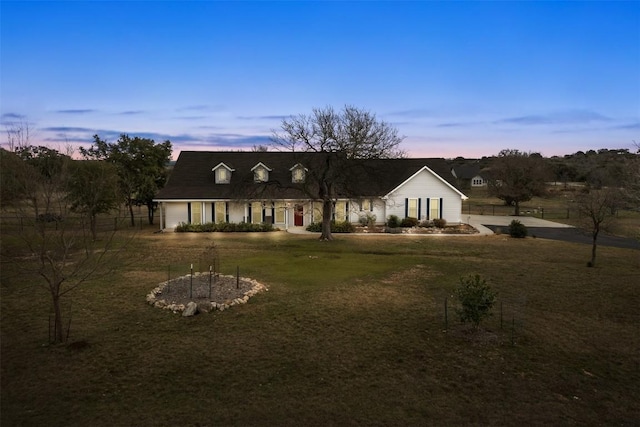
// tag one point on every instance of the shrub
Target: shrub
(440, 222)
(517, 229)
(223, 227)
(336, 227)
(393, 221)
(409, 222)
(367, 220)
(476, 299)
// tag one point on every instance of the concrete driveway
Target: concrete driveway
(487, 224)
(479, 222)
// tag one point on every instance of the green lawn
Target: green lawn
(351, 332)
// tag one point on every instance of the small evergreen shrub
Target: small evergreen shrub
(476, 299)
(409, 222)
(227, 227)
(517, 229)
(336, 227)
(440, 222)
(393, 221)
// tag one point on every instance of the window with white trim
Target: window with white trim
(366, 205)
(196, 213)
(297, 175)
(256, 212)
(340, 211)
(260, 175)
(220, 211)
(222, 175)
(412, 208)
(280, 210)
(434, 208)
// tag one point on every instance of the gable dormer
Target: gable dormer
(261, 172)
(222, 173)
(298, 173)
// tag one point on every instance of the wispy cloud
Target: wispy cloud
(630, 126)
(274, 117)
(451, 125)
(412, 113)
(236, 140)
(559, 117)
(12, 116)
(78, 111)
(130, 113)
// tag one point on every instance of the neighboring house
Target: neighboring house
(256, 187)
(469, 176)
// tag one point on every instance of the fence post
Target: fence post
(238, 277)
(191, 283)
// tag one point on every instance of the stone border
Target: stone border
(191, 308)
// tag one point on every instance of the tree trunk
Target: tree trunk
(150, 212)
(327, 210)
(592, 263)
(517, 213)
(93, 224)
(58, 333)
(130, 205)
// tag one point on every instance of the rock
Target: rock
(204, 307)
(190, 310)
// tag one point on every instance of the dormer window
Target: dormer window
(298, 174)
(261, 172)
(222, 174)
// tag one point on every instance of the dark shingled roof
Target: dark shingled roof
(193, 179)
(467, 171)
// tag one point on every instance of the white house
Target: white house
(273, 187)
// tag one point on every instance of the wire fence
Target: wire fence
(507, 316)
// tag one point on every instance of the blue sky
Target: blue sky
(456, 78)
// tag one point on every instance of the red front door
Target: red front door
(298, 216)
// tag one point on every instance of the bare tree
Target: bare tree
(344, 136)
(598, 207)
(43, 241)
(18, 134)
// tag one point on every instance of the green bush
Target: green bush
(393, 221)
(409, 222)
(367, 220)
(223, 227)
(476, 299)
(336, 227)
(517, 229)
(440, 222)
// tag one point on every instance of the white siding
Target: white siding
(175, 213)
(425, 185)
(237, 212)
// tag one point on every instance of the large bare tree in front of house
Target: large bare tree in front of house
(516, 176)
(343, 136)
(42, 240)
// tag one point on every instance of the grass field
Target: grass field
(351, 332)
